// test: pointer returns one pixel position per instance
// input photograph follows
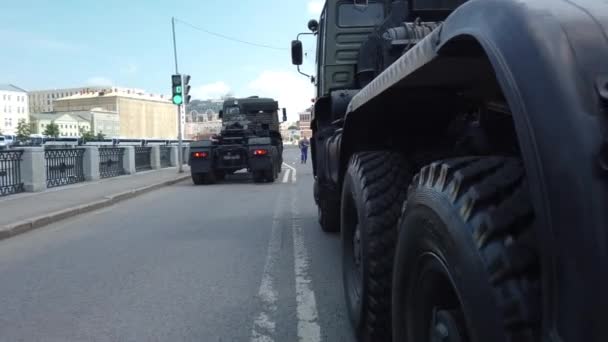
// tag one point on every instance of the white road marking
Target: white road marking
(308, 326)
(294, 172)
(264, 325)
(286, 175)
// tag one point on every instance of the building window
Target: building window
(48, 102)
(9, 97)
(4, 97)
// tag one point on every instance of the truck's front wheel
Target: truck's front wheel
(466, 266)
(372, 195)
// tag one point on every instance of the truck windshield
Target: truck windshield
(234, 110)
(351, 15)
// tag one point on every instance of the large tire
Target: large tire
(269, 175)
(220, 175)
(329, 215)
(258, 176)
(373, 193)
(466, 262)
(197, 178)
(209, 177)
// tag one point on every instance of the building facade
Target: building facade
(305, 118)
(42, 101)
(140, 115)
(70, 125)
(14, 106)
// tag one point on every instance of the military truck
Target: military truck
(250, 139)
(461, 149)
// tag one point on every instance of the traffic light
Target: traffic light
(186, 88)
(177, 89)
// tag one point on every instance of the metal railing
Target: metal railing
(142, 158)
(63, 166)
(165, 156)
(111, 162)
(10, 172)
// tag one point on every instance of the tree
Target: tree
(23, 130)
(100, 135)
(86, 135)
(51, 130)
(292, 127)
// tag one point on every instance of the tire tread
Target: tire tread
(491, 196)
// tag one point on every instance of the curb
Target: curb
(24, 226)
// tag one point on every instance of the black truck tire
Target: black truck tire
(209, 177)
(269, 175)
(372, 196)
(258, 176)
(220, 175)
(329, 215)
(198, 178)
(466, 264)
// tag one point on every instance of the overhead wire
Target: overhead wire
(229, 37)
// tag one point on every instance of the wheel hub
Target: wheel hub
(446, 326)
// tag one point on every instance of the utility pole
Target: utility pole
(179, 108)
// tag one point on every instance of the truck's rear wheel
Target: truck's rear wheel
(220, 175)
(373, 192)
(197, 178)
(466, 266)
(258, 176)
(269, 175)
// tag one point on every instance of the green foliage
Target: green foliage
(86, 135)
(100, 135)
(51, 130)
(292, 127)
(23, 130)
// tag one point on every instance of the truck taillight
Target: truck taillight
(260, 152)
(200, 155)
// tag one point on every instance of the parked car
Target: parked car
(10, 139)
(3, 143)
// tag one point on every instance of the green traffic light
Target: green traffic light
(177, 99)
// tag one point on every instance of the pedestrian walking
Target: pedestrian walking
(303, 144)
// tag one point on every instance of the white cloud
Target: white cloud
(315, 7)
(210, 91)
(292, 90)
(99, 81)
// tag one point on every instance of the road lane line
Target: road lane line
(264, 326)
(309, 329)
(286, 175)
(294, 172)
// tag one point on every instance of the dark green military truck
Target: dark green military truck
(461, 149)
(250, 139)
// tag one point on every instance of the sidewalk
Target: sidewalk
(25, 211)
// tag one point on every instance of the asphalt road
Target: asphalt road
(235, 261)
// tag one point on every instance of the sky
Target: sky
(71, 43)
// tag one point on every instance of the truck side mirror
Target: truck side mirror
(221, 113)
(284, 114)
(296, 52)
